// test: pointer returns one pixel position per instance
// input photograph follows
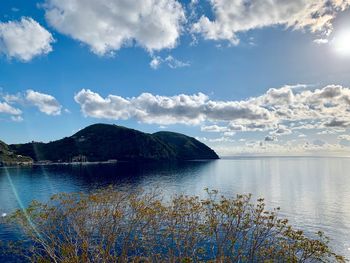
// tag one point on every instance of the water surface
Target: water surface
(314, 193)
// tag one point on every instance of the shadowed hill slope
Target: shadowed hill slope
(7, 157)
(102, 142)
(187, 147)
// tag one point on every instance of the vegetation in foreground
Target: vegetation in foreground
(114, 226)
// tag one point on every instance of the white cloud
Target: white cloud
(24, 39)
(149, 108)
(214, 128)
(344, 137)
(274, 148)
(13, 112)
(234, 16)
(107, 25)
(216, 140)
(344, 140)
(326, 132)
(281, 130)
(175, 63)
(93, 105)
(8, 109)
(279, 111)
(156, 62)
(170, 61)
(13, 98)
(321, 41)
(17, 118)
(229, 134)
(44, 102)
(14, 104)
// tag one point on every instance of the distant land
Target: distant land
(7, 157)
(104, 142)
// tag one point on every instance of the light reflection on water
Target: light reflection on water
(313, 193)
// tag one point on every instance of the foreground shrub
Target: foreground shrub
(115, 226)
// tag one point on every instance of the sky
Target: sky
(246, 77)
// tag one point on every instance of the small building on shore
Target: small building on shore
(80, 159)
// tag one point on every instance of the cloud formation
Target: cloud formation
(44, 102)
(149, 108)
(279, 111)
(8, 109)
(270, 138)
(24, 39)
(270, 146)
(11, 104)
(234, 16)
(170, 61)
(107, 25)
(344, 140)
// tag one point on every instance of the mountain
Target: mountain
(187, 147)
(103, 142)
(7, 157)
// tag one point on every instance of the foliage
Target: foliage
(186, 147)
(114, 226)
(7, 157)
(102, 142)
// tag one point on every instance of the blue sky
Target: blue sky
(238, 76)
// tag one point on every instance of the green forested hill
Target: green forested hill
(187, 148)
(7, 157)
(102, 142)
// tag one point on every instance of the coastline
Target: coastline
(48, 163)
(39, 164)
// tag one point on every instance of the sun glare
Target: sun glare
(341, 42)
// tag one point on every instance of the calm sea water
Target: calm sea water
(314, 193)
